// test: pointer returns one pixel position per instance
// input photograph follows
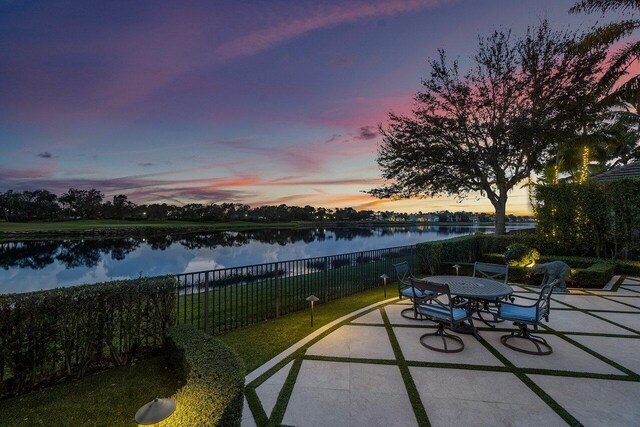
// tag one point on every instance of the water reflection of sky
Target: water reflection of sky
(29, 266)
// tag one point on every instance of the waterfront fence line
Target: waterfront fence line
(224, 299)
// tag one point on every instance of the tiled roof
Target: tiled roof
(627, 171)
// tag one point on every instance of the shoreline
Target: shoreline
(79, 229)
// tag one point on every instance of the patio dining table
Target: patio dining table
(477, 290)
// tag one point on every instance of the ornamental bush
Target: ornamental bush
(520, 255)
(213, 377)
(599, 219)
(65, 333)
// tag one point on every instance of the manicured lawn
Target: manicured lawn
(258, 343)
(112, 224)
(109, 398)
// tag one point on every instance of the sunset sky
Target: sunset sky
(262, 102)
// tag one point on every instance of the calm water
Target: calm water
(33, 265)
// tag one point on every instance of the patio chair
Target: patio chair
(406, 290)
(497, 272)
(524, 315)
(446, 315)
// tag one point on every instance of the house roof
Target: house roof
(629, 170)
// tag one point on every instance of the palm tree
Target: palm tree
(629, 91)
(612, 138)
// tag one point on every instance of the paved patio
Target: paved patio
(370, 370)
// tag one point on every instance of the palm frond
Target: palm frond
(590, 6)
(608, 34)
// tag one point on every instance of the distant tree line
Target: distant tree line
(42, 205)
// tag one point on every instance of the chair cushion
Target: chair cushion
(528, 314)
(408, 293)
(440, 312)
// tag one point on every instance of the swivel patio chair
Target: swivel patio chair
(497, 272)
(525, 315)
(406, 290)
(446, 315)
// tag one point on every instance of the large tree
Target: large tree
(487, 129)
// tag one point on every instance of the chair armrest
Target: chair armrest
(523, 297)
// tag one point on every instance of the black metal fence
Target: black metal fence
(229, 298)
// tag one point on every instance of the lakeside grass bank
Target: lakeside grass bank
(127, 228)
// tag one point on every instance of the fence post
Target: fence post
(277, 291)
(206, 302)
(326, 279)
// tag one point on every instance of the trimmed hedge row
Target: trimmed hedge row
(594, 218)
(588, 272)
(65, 333)
(213, 377)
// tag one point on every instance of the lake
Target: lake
(45, 264)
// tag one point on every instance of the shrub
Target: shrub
(520, 255)
(213, 376)
(595, 276)
(65, 333)
(596, 218)
(431, 255)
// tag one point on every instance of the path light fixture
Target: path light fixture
(155, 411)
(385, 279)
(457, 267)
(312, 299)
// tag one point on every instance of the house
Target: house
(474, 219)
(630, 170)
(431, 218)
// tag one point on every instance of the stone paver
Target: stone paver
(393, 313)
(592, 302)
(627, 300)
(595, 402)
(576, 321)
(630, 291)
(480, 398)
(621, 291)
(364, 395)
(247, 416)
(474, 352)
(374, 318)
(625, 351)
(565, 356)
(269, 390)
(630, 320)
(359, 342)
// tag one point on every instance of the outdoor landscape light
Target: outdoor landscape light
(155, 411)
(312, 299)
(385, 278)
(457, 267)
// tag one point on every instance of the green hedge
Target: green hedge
(593, 219)
(432, 255)
(588, 272)
(64, 333)
(213, 376)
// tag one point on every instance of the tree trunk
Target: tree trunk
(501, 212)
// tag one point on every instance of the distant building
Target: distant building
(630, 170)
(474, 219)
(431, 218)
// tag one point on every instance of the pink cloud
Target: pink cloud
(320, 15)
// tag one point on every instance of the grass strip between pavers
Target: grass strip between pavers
(414, 397)
(285, 393)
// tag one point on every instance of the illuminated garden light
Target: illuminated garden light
(155, 411)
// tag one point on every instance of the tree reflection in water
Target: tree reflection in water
(88, 252)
